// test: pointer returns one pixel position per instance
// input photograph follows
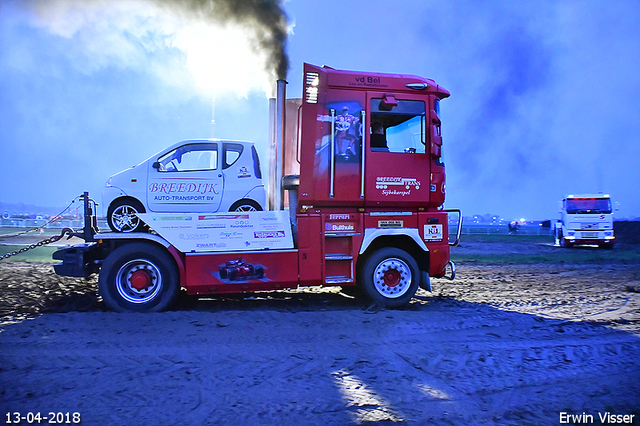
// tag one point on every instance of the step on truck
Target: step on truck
(585, 219)
(357, 160)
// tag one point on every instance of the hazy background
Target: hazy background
(545, 95)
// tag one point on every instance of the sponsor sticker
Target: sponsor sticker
(433, 232)
(243, 172)
(390, 223)
(171, 218)
(339, 216)
(269, 234)
(396, 185)
(229, 231)
(193, 236)
(339, 226)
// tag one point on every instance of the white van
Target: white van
(193, 176)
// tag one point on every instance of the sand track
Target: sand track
(502, 344)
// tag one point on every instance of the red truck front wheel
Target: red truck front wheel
(390, 277)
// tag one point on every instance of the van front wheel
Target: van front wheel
(245, 206)
(122, 216)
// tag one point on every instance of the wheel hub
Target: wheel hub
(392, 278)
(140, 280)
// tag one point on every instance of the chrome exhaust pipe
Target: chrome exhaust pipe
(271, 183)
(275, 194)
(281, 98)
(451, 265)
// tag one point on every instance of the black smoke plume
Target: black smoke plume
(265, 18)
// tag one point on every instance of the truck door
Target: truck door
(337, 174)
(186, 179)
(398, 161)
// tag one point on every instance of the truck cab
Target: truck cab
(371, 174)
(585, 219)
(370, 140)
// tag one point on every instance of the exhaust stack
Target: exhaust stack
(271, 155)
(276, 147)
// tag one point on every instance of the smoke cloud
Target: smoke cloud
(264, 18)
(226, 45)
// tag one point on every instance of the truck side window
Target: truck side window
(203, 156)
(402, 126)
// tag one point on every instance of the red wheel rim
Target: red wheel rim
(140, 280)
(392, 278)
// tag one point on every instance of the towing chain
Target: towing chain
(44, 242)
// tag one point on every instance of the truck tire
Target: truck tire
(390, 277)
(563, 242)
(139, 277)
(121, 216)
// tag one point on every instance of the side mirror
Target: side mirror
(156, 165)
(434, 117)
(436, 137)
(387, 103)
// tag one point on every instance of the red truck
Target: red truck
(359, 162)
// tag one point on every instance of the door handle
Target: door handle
(332, 152)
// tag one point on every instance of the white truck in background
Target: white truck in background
(585, 219)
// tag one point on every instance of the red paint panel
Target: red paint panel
(438, 250)
(241, 271)
(310, 249)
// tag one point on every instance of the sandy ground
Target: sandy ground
(502, 344)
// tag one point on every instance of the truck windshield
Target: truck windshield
(588, 205)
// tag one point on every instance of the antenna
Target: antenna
(213, 113)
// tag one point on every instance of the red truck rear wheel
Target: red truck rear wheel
(138, 277)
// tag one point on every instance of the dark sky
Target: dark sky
(545, 95)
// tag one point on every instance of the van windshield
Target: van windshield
(588, 205)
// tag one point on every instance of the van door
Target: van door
(186, 179)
